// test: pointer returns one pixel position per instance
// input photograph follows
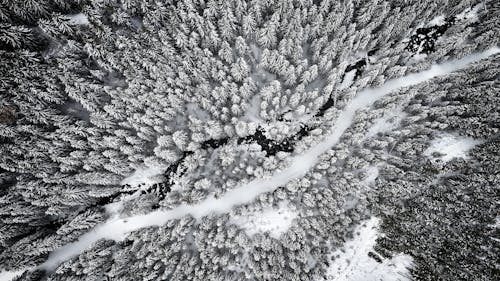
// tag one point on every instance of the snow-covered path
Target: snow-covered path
(116, 228)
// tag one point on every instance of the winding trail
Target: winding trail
(117, 228)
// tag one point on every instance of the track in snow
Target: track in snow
(117, 229)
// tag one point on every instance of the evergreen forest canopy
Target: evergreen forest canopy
(307, 140)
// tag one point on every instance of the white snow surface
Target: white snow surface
(471, 14)
(276, 221)
(372, 173)
(439, 20)
(194, 110)
(451, 146)
(117, 228)
(386, 123)
(352, 263)
(79, 19)
(144, 176)
(9, 275)
(497, 223)
(253, 112)
(348, 80)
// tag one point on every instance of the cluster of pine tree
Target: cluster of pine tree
(218, 93)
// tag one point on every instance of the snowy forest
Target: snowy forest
(301, 140)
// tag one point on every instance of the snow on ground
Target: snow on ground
(372, 173)
(348, 80)
(352, 262)
(418, 57)
(470, 14)
(497, 223)
(10, 275)
(141, 179)
(386, 123)
(439, 20)
(253, 112)
(273, 220)
(117, 229)
(79, 19)
(144, 176)
(194, 110)
(450, 146)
